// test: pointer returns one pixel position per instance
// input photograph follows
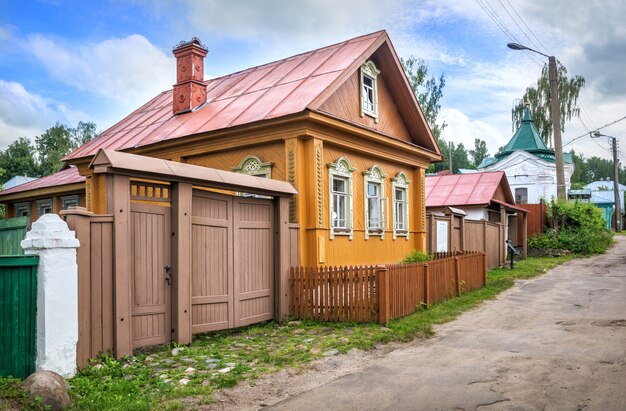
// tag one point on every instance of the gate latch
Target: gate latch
(168, 274)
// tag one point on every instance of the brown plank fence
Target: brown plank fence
(95, 283)
(381, 293)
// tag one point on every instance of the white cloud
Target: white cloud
(128, 70)
(26, 114)
(461, 129)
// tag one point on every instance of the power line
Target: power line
(517, 24)
(597, 129)
(491, 13)
(529, 29)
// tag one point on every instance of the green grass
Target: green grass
(152, 379)
(623, 233)
(13, 397)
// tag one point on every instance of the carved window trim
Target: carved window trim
(253, 166)
(400, 182)
(369, 93)
(374, 176)
(23, 210)
(70, 201)
(341, 169)
(43, 205)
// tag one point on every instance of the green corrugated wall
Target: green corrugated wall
(18, 304)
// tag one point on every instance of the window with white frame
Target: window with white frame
(375, 202)
(70, 201)
(44, 206)
(521, 195)
(400, 189)
(369, 89)
(340, 183)
(22, 209)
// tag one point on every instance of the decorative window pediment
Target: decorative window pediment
(400, 191)
(253, 166)
(374, 193)
(340, 198)
(369, 89)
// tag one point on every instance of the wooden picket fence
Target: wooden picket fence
(384, 292)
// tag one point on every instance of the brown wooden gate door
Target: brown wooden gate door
(232, 261)
(150, 274)
(254, 260)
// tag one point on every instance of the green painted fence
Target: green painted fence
(12, 232)
(18, 303)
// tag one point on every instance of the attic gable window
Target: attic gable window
(369, 90)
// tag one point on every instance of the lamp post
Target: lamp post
(556, 118)
(616, 196)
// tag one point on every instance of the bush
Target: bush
(581, 229)
(543, 241)
(416, 257)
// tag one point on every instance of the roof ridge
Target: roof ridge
(354, 39)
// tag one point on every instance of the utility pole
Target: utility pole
(450, 157)
(616, 195)
(618, 211)
(556, 119)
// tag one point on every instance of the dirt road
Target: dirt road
(555, 342)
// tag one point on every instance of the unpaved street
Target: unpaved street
(555, 342)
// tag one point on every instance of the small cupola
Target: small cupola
(190, 89)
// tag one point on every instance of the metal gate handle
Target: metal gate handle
(168, 273)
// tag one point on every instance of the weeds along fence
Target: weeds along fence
(384, 292)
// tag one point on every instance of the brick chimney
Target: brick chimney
(189, 90)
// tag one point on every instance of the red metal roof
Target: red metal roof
(464, 189)
(68, 176)
(272, 90)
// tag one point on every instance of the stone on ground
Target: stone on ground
(50, 387)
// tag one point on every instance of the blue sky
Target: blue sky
(98, 60)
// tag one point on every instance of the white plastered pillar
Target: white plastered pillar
(57, 293)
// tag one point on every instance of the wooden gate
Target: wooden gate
(232, 265)
(151, 274)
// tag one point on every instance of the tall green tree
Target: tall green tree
(428, 90)
(18, 160)
(58, 141)
(538, 96)
(479, 153)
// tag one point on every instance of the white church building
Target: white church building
(529, 165)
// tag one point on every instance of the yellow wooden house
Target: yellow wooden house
(340, 123)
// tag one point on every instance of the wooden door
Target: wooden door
(212, 287)
(150, 278)
(254, 260)
(232, 261)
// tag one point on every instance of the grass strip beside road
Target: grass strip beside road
(171, 378)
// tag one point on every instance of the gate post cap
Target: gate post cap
(49, 231)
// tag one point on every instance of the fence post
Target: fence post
(484, 269)
(57, 293)
(427, 285)
(382, 287)
(457, 276)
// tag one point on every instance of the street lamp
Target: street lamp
(616, 196)
(556, 118)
